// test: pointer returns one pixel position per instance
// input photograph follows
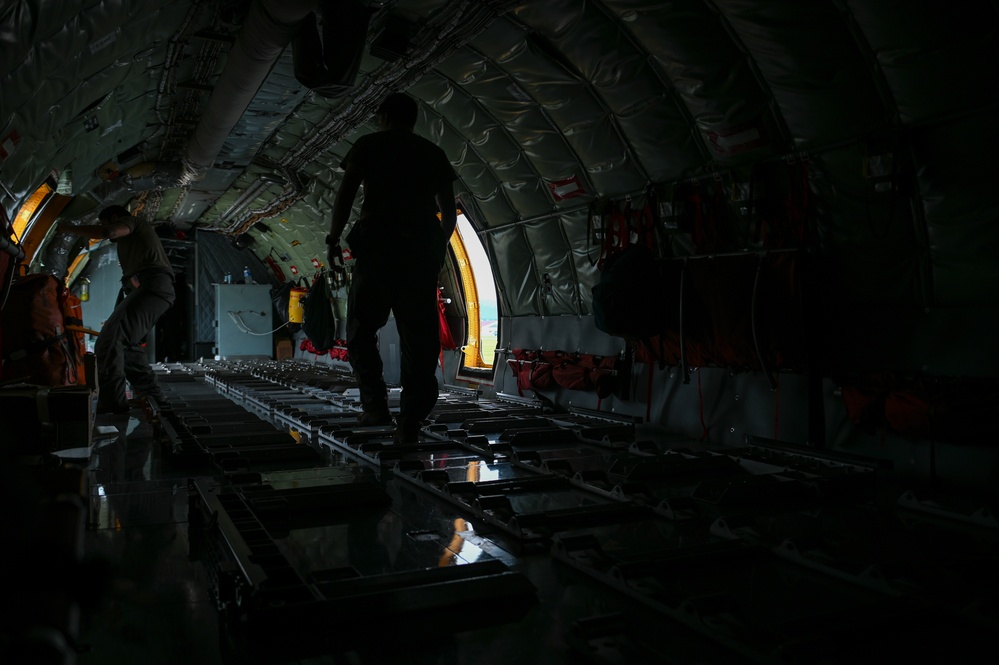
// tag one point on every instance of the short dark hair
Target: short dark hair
(401, 109)
(111, 211)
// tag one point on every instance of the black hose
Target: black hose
(11, 248)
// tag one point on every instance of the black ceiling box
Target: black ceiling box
(328, 64)
(391, 43)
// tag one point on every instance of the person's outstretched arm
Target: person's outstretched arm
(341, 210)
(108, 231)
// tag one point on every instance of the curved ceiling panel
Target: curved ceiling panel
(466, 126)
(937, 57)
(606, 166)
(711, 75)
(544, 107)
(57, 86)
(809, 60)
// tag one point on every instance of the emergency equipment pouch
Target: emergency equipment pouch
(319, 318)
(37, 348)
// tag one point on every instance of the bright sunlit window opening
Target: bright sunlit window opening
(480, 294)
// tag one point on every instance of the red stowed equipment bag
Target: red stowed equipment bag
(72, 319)
(37, 348)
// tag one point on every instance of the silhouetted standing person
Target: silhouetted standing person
(147, 282)
(399, 243)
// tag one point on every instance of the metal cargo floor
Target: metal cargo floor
(251, 520)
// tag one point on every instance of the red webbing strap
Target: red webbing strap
(444, 329)
(644, 227)
(514, 366)
(718, 203)
(804, 200)
(615, 235)
(648, 396)
(695, 203)
(700, 397)
(591, 235)
(777, 410)
(651, 213)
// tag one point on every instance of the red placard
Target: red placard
(738, 138)
(567, 188)
(9, 143)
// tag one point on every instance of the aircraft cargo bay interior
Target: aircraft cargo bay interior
(490, 331)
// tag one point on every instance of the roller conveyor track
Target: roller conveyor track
(672, 536)
(243, 533)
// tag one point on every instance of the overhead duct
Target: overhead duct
(139, 178)
(267, 31)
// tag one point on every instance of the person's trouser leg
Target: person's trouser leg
(367, 311)
(110, 358)
(417, 319)
(128, 324)
(139, 374)
(156, 297)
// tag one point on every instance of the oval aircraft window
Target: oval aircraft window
(480, 298)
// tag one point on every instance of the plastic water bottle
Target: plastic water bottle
(247, 276)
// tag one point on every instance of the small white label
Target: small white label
(108, 130)
(567, 188)
(104, 41)
(739, 138)
(518, 93)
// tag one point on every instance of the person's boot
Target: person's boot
(374, 418)
(112, 409)
(406, 431)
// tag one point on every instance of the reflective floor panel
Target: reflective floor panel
(640, 550)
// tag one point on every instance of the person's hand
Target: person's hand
(334, 255)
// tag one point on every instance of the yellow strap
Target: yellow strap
(89, 331)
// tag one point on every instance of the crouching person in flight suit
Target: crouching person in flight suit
(147, 282)
(399, 244)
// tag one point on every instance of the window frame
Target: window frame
(477, 371)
